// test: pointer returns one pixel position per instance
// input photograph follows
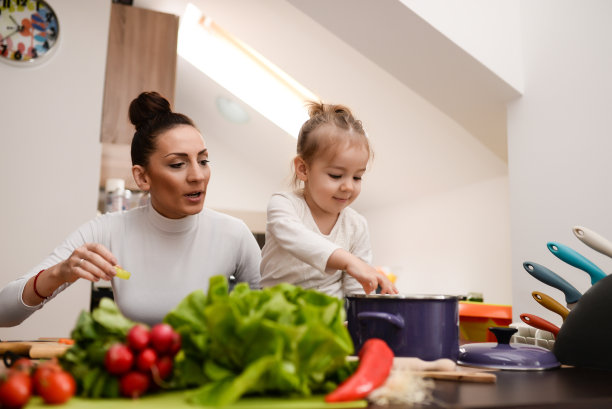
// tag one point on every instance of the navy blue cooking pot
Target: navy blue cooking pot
(422, 326)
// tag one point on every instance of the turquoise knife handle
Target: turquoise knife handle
(548, 277)
(572, 257)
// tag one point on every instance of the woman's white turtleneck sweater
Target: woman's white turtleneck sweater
(168, 259)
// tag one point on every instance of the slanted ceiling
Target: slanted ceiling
(399, 41)
(436, 116)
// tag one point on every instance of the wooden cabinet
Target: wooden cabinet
(141, 57)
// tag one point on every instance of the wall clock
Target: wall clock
(29, 31)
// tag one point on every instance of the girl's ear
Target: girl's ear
(301, 168)
(141, 178)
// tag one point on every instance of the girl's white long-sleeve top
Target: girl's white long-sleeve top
(168, 259)
(297, 252)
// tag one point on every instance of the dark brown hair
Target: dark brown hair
(314, 141)
(151, 115)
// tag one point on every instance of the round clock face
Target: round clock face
(28, 31)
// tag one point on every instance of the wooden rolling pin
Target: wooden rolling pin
(444, 369)
(461, 376)
(34, 349)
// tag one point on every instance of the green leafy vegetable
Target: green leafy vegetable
(282, 340)
(93, 334)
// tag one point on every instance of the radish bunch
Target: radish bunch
(145, 360)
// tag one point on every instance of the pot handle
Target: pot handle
(376, 315)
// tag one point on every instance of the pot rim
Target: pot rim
(405, 296)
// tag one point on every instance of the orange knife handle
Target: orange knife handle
(551, 304)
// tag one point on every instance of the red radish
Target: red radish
(164, 367)
(146, 359)
(134, 384)
(161, 338)
(176, 343)
(138, 337)
(118, 359)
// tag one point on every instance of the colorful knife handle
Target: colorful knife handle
(573, 258)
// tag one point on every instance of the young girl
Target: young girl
(313, 239)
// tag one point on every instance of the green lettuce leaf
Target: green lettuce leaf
(282, 340)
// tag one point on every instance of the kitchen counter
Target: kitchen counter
(564, 388)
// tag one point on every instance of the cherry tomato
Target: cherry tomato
(146, 359)
(161, 337)
(57, 387)
(118, 359)
(138, 337)
(134, 384)
(42, 371)
(24, 365)
(15, 391)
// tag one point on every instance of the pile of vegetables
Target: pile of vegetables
(26, 378)
(145, 360)
(282, 340)
(114, 356)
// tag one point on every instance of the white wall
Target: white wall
(427, 167)
(487, 29)
(50, 158)
(452, 243)
(559, 142)
(450, 207)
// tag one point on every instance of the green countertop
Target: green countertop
(176, 400)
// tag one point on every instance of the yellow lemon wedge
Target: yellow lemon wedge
(121, 273)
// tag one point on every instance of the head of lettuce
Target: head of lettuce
(282, 340)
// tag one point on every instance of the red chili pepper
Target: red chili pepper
(375, 361)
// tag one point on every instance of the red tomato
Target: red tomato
(134, 384)
(57, 387)
(146, 359)
(24, 365)
(42, 371)
(161, 337)
(118, 359)
(138, 337)
(15, 391)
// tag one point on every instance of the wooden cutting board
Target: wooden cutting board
(34, 349)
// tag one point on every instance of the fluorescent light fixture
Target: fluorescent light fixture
(242, 71)
(232, 110)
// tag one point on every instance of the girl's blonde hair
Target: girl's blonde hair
(313, 142)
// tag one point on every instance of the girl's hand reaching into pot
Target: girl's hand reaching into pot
(386, 286)
(369, 278)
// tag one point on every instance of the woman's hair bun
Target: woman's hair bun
(146, 107)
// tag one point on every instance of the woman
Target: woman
(171, 246)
